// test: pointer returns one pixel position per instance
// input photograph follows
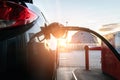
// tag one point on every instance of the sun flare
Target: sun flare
(62, 43)
(53, 43)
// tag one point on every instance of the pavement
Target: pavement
(79, 73)
(93, 74)
(65, 73)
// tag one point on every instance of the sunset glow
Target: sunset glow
(53, 43)
(62, 43)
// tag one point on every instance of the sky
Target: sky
(86, 13)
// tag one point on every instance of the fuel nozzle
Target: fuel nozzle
(55, 29)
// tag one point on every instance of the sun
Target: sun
(53, 43)
(62, 43)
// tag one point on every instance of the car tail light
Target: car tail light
(15, 16)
